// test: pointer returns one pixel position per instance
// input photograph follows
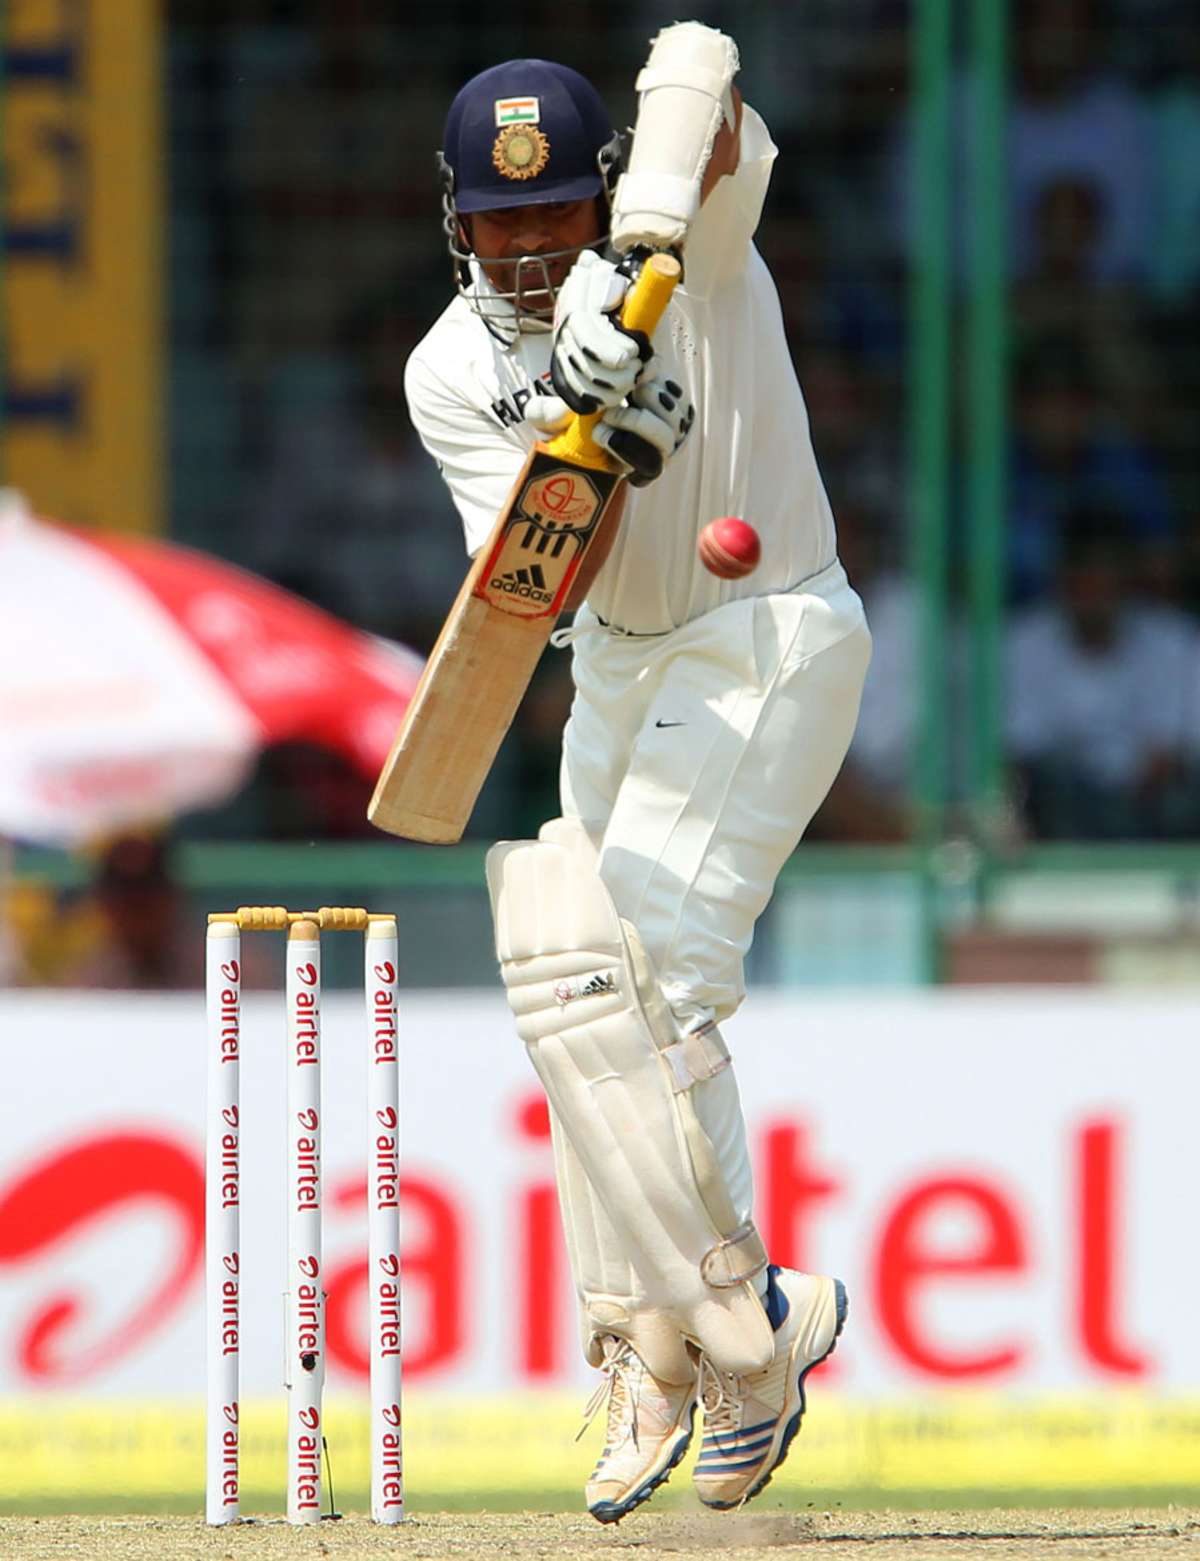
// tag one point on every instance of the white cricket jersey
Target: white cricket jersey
(749, 453)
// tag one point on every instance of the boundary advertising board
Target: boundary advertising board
(999, 1178)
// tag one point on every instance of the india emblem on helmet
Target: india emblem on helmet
(520, 152)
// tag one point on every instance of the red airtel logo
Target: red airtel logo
(62, 1196)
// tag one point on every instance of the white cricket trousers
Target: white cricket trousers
(696, 760)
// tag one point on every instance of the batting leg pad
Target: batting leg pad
(611, 1296)
(618, 1074)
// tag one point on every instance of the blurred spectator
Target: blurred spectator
(822, 72)
(1175, 254)
(1069, 118)
(1073, 119)
(312, 794)
(855, 308)
(875, 53)
(1068, 452)
(1101, 699)
(1176, 269)
(352, 514)
(140, 940)
(12, 954)
(854, 431)
(1058, 298)
(46, 939)
(1144, 35)
(325, 175)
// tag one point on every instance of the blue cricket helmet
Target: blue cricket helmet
(525, 133)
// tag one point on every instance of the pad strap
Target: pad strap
(713, 83)
(736, 1259)
(671, 195)
(701, 1054)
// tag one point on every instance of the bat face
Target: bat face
(490, 643)
(536, 555)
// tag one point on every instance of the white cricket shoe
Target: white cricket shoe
(749, 1421)
(649, 1429)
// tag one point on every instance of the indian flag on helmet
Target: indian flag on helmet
(517, 111)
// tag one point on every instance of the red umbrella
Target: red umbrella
(139, 678)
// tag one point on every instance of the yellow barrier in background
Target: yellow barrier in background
(148, 1453)
(83, 285)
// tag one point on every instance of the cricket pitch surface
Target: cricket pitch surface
(1052, 1534)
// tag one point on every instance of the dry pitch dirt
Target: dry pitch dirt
(1057, 1535)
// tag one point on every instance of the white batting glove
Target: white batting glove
(595, 362)
(644, 435)
(548, 414)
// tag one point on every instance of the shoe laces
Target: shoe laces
(622, 1367)
(722, 1398)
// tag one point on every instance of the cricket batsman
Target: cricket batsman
(709, 720)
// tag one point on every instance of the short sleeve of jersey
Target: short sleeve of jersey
(718, 242)
(476, 459)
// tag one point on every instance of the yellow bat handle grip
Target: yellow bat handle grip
(645, 305)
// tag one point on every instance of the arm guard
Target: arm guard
(683, 95)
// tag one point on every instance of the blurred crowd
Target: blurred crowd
(307, 259)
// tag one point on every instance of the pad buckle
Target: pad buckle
(698, 1055)
(732, 1261)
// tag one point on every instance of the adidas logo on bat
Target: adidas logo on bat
(530, 582)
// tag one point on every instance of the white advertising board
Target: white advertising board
(1005, 1181)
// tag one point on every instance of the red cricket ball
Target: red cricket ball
(729, 548)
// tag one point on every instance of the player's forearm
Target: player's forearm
(601, 547)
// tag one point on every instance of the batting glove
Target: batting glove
(644, 435)
(548, 414)
(595, 362)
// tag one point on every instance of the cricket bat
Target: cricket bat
(498, 627)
